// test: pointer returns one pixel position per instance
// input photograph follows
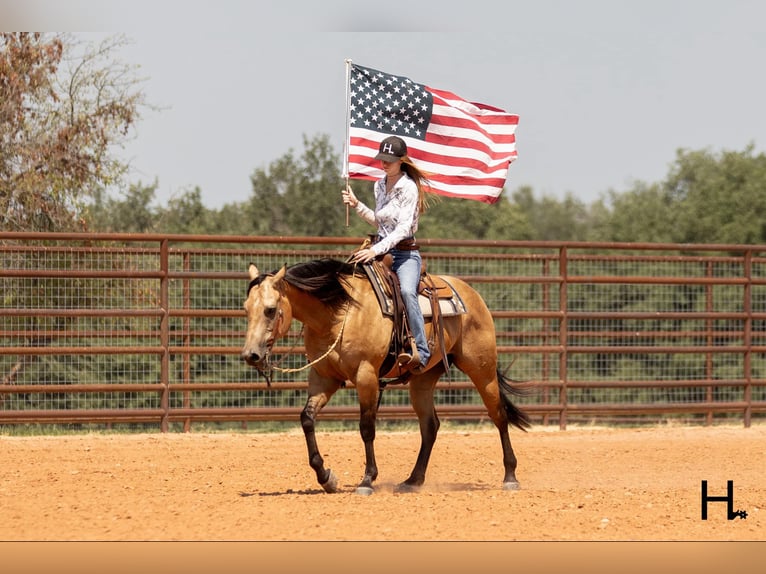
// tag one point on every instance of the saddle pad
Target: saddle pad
(450, 303)
(447, 306)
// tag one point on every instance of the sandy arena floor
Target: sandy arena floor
(582, 484)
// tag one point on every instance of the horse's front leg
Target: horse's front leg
(320, 391)
(367, 390)
(422, 399)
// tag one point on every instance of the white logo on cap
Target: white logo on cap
(388, 148)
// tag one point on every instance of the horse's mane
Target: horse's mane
(324, 279)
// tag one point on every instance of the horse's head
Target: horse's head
(268, 316)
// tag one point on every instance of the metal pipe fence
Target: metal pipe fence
(147, 328)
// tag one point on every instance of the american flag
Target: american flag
(464, 148)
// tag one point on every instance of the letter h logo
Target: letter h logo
(728, 499)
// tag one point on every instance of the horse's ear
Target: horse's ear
(280, 274)
(253, 271)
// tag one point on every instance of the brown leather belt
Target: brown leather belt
(406, 244)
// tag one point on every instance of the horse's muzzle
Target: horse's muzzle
(254, 359)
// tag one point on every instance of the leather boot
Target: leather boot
(411, 359)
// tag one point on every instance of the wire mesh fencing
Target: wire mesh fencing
(110, 328)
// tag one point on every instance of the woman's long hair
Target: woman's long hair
(425, 196)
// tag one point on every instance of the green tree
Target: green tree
(453, 218)
(64, 107)
(299, 196)
(131, 212)
(706, 197)
(642, 214)
(231, 219)
(186, 214)
(718, 198)
(548, 219)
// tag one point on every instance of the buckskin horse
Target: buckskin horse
(347, 338)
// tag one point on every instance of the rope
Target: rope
(324, 356)
(330, 350)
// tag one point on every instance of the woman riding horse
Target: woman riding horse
(347, 339)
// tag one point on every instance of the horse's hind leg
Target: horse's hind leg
(510, 482)
(514, 416)
(422, 399)
(320, 392)
(494, 393)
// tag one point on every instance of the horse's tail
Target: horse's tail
(516, 416)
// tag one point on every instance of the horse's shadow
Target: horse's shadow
(283, 493)
(387, 488)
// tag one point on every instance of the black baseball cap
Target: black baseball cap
(391, 149)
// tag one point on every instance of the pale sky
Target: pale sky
(606, 90)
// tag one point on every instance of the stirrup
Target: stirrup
(406, 359)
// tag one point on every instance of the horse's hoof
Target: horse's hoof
(331, 484)
(511, 485)
(364, 490)
(406, 488)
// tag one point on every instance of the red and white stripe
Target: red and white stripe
(466, 153)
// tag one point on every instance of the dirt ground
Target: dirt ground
(582, 484)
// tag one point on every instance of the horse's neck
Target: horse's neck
(317, 317)
(308, 310)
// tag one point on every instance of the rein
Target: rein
(326, 353)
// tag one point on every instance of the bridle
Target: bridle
(274, 329)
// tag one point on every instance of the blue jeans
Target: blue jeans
(407, 266)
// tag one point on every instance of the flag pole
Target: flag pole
(347, 144)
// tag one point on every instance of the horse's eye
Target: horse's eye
(270, 312)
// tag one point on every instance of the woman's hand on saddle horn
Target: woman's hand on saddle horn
(363, 256)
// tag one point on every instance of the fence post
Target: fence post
(187, 337)
(165, 336)
(748, 336)
(547, 339)
(709, 365)
(563, 336)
